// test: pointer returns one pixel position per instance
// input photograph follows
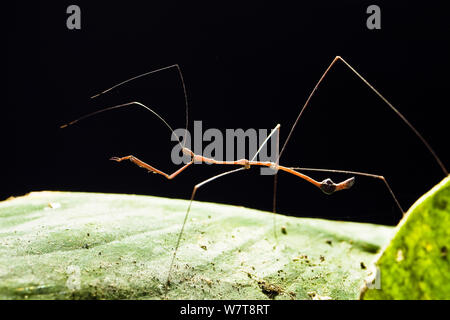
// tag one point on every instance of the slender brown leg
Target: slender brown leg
(274, 199)
(196, 187)
(390, 105)
(144, 165)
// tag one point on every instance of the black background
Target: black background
(246, 65)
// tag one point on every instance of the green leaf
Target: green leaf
(60, 245)
(416, 264)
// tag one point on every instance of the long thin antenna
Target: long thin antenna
(444, 169)
(122, 106)
(180, 73)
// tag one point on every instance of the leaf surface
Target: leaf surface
(61, 245)
(416, 263)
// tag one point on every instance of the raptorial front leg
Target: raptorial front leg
(144, 165)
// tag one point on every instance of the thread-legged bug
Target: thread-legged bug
(327, 185)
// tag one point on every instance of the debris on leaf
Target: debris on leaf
(315, 296)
